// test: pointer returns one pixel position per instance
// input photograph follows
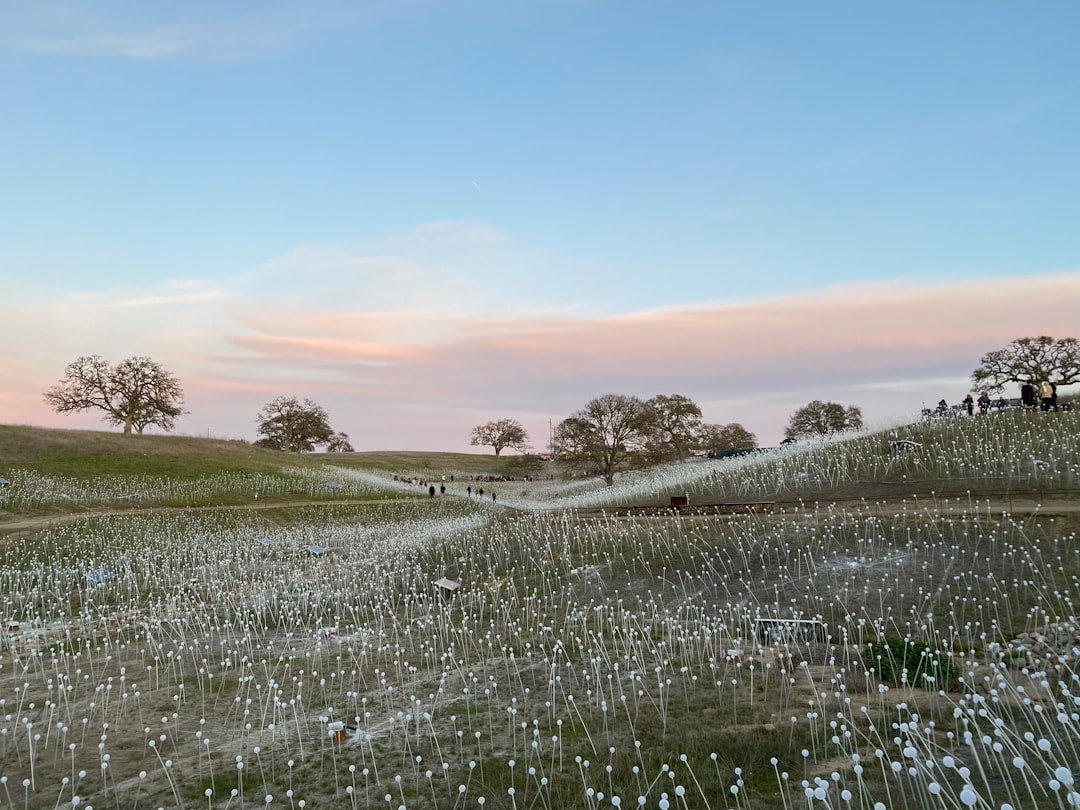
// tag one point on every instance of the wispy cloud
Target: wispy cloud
(191, 30)
(153, 44)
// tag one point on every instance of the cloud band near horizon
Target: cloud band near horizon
(421, 377)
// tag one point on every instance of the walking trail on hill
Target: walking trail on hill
(1023, 506)
(32, 525)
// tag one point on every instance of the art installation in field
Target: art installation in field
(844, 645)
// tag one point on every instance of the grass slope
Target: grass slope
(588, 654)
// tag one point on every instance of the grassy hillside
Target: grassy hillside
(901, 630)
(91, 453)
(54, 471)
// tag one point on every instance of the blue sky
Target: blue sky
(322, 197)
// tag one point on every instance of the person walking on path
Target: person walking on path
(969, 405)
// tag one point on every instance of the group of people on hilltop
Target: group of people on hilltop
(1045, 394)
(1031, 398)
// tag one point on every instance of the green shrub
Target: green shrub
(902, 660)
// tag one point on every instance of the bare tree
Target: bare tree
(676, 421)
(725, 437)
(288, 424)
(339, 443)
(819, 418)
(604, 435)
(136, 393)
(500, 434)
(1030, 359)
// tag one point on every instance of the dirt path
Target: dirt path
(32, 525)
(989, 506)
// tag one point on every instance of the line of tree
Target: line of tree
(609, 433)
(139, 392)
(616, 431)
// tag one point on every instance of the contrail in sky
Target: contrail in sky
(477, 185)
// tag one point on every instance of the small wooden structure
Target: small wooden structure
(679, 500)
(447, 587)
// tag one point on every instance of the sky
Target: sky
(425, 214)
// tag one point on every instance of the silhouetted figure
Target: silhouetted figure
(1028, 395)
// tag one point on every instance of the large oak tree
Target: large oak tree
(1029, 359)
(288, 424)
(676, 425)
(819, 418)
(136, 393)
(500, 434)
(605, 435)
(732, 436)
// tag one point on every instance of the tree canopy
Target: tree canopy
(676, 425)
(288, 424)
(500, 434)
(135, 393)
(819, 418)
(725, 437)
(604, 435)
(339, 443)
(1029, 359)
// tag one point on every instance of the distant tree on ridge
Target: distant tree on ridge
(819, 418)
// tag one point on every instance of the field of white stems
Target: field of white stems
(30, 492)
(909, 651)
(1002, 454)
